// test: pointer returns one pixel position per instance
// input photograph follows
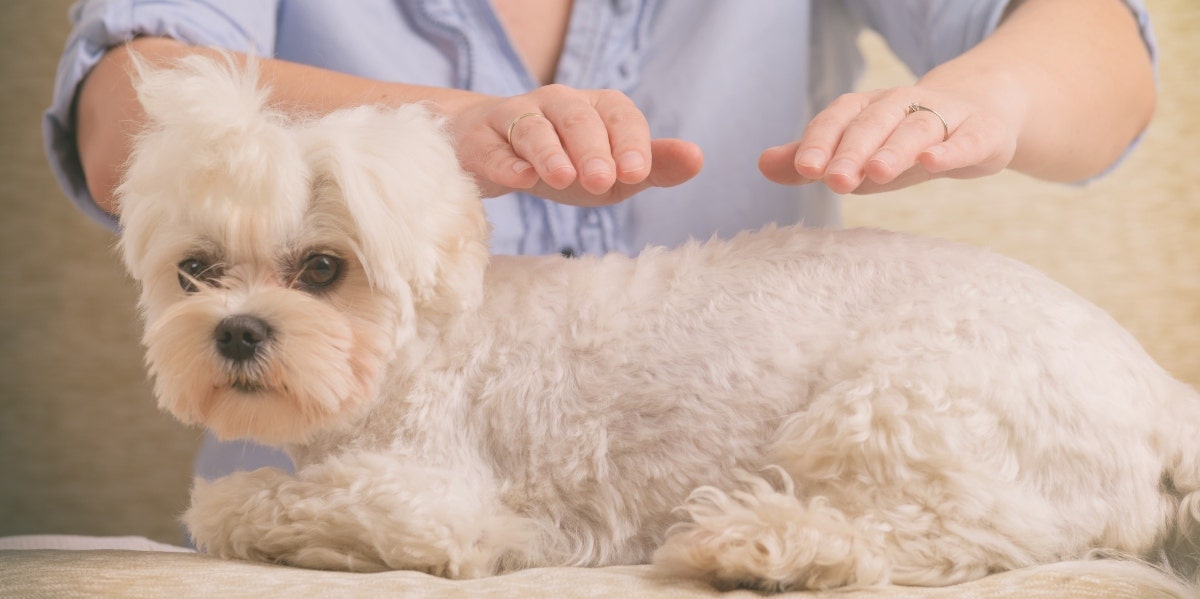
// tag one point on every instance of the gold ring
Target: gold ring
(513, 123)
(914, 107)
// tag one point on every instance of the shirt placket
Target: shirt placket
(597, 53)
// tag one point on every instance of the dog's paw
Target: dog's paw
(362, 513)
(767, 540)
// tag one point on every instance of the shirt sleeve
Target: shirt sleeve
(239, 25)
(926, 33)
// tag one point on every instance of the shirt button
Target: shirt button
(567, 252)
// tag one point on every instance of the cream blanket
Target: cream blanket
(172, 572)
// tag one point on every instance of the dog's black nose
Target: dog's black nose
(239, 337)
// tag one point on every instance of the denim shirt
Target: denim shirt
(734, 76)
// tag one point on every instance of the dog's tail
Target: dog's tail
(1101, 575)
(1181, 480)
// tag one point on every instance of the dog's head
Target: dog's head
(284, 263)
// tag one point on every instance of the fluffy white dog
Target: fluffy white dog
(791, 408)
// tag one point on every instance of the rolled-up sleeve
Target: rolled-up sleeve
(240, 25)
(926, 33)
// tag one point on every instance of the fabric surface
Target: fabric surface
(129, 574)
(82, 542)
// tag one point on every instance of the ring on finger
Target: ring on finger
(914, 107)
(513, 123)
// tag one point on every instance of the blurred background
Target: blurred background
(83, 450)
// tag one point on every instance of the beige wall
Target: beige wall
(82, 447)
(83, 450)
(1129, 242)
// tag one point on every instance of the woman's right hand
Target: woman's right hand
(579, 147)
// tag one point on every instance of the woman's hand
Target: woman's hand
(875, 141)
(1058, 91)
(581, 147)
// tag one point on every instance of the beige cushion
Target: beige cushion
(58, 573)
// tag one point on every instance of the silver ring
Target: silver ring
(513, 123)
(914, 107)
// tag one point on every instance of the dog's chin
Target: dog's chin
(250, 410)
(321, 372)
(247, 387)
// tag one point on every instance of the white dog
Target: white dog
(787, 409)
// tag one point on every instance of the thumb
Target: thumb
(673, 161)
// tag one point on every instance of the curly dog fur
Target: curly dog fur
(790, 408)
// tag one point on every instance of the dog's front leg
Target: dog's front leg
(362, 513)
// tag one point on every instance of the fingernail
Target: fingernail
(936, 150)
(558, 162)
(596, 166)
(631, 162)
(811, 158)
(521, 166)
(844, 167)
(886, 157)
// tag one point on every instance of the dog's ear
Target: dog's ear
(418, 216)
(214, 96)
(215, 111)
(210, 145)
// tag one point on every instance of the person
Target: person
(587, 122)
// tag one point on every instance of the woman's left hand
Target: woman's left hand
(868, 142)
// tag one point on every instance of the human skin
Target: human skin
(1058, 92)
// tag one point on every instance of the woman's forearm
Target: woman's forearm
(1074, 75)
(590, 147)
(107, 112)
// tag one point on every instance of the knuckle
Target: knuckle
(515, 105)
(927, 126)
(873, 121)
(969, 138)
(544, 154)
(900, 95)
(612, 96)
(627, 119)
(557, 91)
(519, 135)
(849, 100)
(495, 156)
(575, 120)
(824, 123)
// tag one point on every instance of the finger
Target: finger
(778, 164)
(494, 163)
(500, 170)
(917, 132)
(824, 133)
(628, 136)
(976, 148)
(916, 174)
(674, 161)
(536, 140)
(862, 138)
(584, 136)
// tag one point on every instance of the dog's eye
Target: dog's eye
(192, 270)
(319, 271)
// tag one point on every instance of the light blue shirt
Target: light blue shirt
(734, 76)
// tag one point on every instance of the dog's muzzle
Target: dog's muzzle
(239, 338)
